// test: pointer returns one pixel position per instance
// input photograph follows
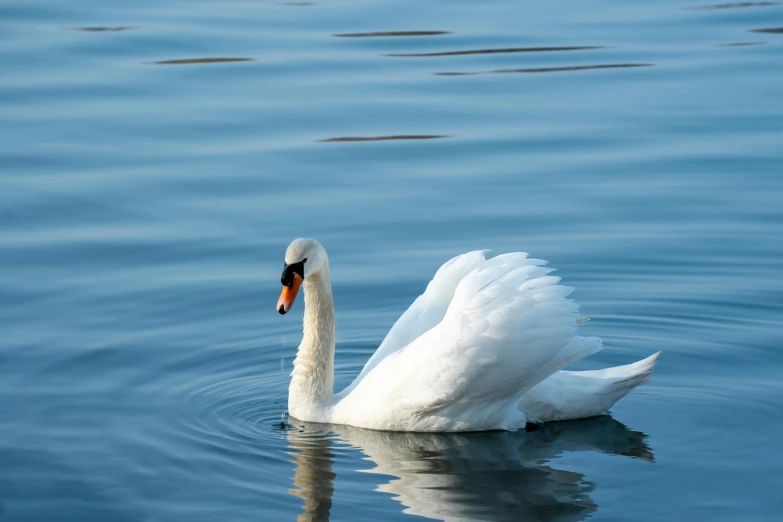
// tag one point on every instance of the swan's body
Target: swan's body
(481, 349)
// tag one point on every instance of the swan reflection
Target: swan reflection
(468, 476)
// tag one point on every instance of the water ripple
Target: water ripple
(550, 69)
(390, 34)
(741, 44)
(107, 29)
(385, 138)
(230, 406)
(185, 61)
(498, 51)
(730, 6)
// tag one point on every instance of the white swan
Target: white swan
(480, 349)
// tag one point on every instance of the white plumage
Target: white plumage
(481, 349)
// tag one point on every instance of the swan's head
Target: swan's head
(303, 258)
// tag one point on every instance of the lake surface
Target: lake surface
(157, 157)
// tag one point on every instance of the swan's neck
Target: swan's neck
(311, 388)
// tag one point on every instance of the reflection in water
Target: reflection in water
(313, 475)
(391, 33)
(202, 60)
(498, 51)
(384, 138)
(731, 5)
(772, 30)
(468, 476)
(107, 29)
(549, 69)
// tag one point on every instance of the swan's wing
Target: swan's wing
(508, 327)
(427, 310)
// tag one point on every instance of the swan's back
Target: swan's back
(484, 333)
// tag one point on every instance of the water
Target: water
(157, 158)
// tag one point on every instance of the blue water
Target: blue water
(148, 191)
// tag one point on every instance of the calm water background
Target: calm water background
(148, 191)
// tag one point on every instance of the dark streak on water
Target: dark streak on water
(497, 51)
(186, 61)
(731, 6)
(550, 69)
(391, 34)
(771, 30)
(385, 138)
(741, 44)
(107, 29)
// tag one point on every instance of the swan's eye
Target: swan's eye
(289, 270)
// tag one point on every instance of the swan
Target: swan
(481, 349)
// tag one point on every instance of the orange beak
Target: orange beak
(288, 295)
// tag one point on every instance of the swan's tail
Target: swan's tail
(623, 379)
(574, 395)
